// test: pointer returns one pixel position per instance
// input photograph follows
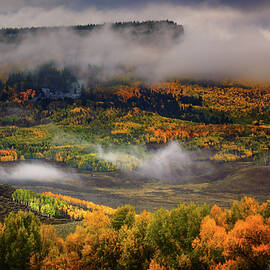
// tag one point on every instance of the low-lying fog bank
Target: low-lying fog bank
(170, 164)
(34, 171)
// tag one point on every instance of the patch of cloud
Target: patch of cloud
(170, 163)
(15, 5)
(166, 163)
(33, 172)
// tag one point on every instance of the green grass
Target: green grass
(64, 230)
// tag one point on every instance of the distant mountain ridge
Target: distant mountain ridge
(137, 29)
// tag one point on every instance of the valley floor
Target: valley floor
(222, 185)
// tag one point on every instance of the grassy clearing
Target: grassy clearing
(64, 230)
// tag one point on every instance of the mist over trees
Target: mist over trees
(147, 31)
(26, 86)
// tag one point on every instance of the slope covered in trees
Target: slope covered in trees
(8, 205)
(229, 118)
(57, 205)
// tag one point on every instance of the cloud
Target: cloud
(33, 172)
(166, 163)
(218, 41)
(15, 5)
(40, 15)
(169, 164)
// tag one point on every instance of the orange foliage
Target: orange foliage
(249, 206)
(155, 266)
(96, 245)
(210, 244)
(249, 243)
(96, 221)
(26, 95)
(219, 216)
(244, 244)
(80, 110)
(58, 157)
(8, 155)
(125, 92)
(228, 265)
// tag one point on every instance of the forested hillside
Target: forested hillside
(47, 113)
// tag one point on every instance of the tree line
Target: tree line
(57, 205)
(47, 205)
(136, 28)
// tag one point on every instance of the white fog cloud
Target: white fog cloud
(217, 41)
(33, 172)
(166, 163)
(170, 163)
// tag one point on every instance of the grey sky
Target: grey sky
(20, 13)
(15, 5)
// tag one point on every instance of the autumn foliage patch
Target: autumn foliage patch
(190, 236)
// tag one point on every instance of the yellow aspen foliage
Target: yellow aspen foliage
(155, 266)
(59, 157)
(96, 221)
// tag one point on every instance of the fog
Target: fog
(218, 41)
(168, 163)
(33, 172)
